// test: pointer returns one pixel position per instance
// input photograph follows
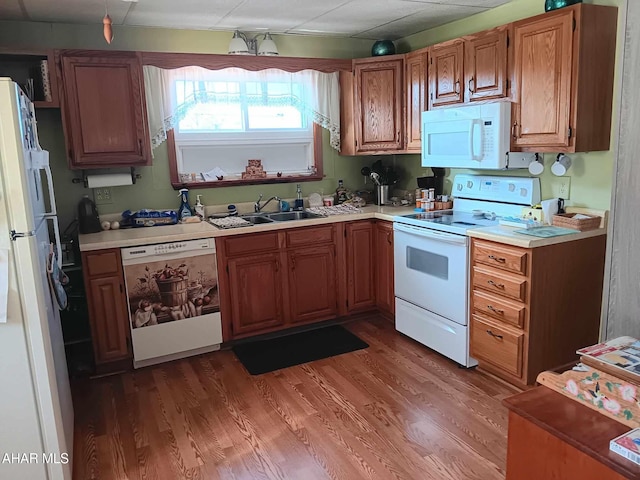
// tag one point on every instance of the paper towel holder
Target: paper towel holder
(134, 176)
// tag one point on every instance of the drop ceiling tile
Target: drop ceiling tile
(74, 11)
(431, 16)
(361, 15)
(197, 14)
(278, 15)
(10, 10)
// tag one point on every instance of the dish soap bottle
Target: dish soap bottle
(299, 203)
(185, 210)
(199, 207)
(341, 193)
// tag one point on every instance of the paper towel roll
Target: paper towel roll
(109, 180)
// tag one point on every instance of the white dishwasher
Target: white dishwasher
(173, 300)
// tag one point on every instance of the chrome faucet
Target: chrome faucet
(258, 208)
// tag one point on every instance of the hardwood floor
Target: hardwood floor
(395, 410)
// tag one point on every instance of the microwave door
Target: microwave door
(448, 143)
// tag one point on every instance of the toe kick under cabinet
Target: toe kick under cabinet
(532, 308)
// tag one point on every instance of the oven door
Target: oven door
(431, 270)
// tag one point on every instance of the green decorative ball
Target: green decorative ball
(555, 4)
(383, 47)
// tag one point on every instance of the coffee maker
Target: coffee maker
(436, 181)
(88, 220)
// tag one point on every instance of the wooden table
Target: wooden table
(552, 437)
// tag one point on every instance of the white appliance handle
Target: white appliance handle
(40, 161)
(56, 232)
(432, 234)
(475, 122)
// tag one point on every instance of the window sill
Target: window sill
(257, 181)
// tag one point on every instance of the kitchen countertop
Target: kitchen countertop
(507, 235)
(132, 237)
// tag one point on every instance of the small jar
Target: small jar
(327, 201)
(431, 195)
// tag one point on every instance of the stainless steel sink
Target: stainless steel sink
(287, 216)
(257, 218)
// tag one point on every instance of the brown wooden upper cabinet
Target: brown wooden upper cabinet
(446, 62)
(416, 97)
(378, 96)
(485, 64)
(104, 109)
(564, 67)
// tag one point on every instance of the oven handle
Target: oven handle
(432, 234)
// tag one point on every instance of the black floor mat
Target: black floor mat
(268, 355)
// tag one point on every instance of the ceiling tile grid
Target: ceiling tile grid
(366, 19)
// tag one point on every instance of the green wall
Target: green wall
(153, 190)
(591, 173)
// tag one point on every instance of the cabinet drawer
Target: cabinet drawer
(301, 237)
(242, 244)
(103, 263)
(500, 283)
(499, 308)
(502, 347)
(499, 256)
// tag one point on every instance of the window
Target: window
(221, 119)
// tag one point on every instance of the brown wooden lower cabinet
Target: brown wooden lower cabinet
(312, 284)
(385, 296)
(255, 285)
(360, 258)
(532, 308)
(108, 315)
(278, 280)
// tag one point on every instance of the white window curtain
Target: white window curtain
(320, 98)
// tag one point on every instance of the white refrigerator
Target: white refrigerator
(36, 411)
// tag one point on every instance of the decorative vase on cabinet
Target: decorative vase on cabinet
(555, 4)
(383, 47)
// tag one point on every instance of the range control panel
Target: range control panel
(517, 190)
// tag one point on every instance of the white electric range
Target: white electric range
(431, 253)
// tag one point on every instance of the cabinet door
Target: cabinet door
(105, 111)
(485, 65)
(378, 104)
(415, 85)
(385, 297)
(445, 74)
(360, 250)
(312, 284)
(543, 63)
(109, 319)
(256, 293)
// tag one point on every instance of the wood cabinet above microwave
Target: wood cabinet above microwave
(104, 110)
(564, 69)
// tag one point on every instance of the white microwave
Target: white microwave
(475, 136)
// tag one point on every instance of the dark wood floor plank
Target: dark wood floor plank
(393, 411)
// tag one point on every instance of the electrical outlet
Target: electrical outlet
(103, 196)
(561, 187)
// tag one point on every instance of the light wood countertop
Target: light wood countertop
(131, 237)
(507, 235)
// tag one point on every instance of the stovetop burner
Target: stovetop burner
(451, 221)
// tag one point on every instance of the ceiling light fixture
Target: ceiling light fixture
(242, 45)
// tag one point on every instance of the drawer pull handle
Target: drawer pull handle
(497, 259)
(499, 337)
(495, 310)
(497, 285)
